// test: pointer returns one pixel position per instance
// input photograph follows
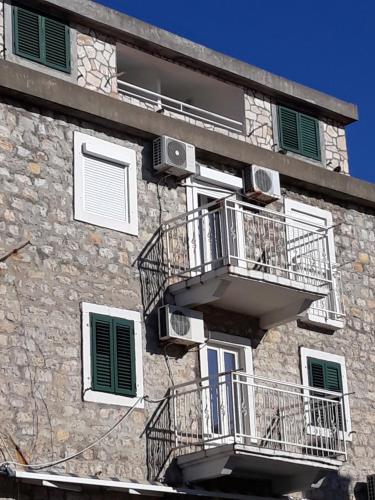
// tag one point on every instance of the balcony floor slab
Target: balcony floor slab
(283, 472)
(273, 299)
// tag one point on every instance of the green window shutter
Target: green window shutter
(310, 139)
(56, 45)
(316, 373)
(288, 129)
(41, 39)
(125, 376)
(102, 358)
(299, 133)
(27, 34)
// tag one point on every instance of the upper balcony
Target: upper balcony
(177, 91)
(250, 432)
(247, 259)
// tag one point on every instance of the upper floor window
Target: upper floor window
(41, 39)
(105, 184)
(299, 133)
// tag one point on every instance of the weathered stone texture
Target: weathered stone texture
(96, 60)
(2, 52)
(258, 115)
(336, 151)
(68, 262)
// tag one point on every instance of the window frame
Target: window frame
(305, 354)
(97, 396)
(115, 154)
(42, 42)
(299, 151)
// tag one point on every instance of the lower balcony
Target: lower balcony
(252, 434)
(244, 258)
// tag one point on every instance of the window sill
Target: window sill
(323, 323)
(111, 399)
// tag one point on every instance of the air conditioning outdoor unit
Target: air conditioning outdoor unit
(261, 184)
(371, 487)
(174, 157)
(181, 325)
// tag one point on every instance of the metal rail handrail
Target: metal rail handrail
(195, 111)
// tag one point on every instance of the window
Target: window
(299, 133)
(112, 355)
(326, 371)
(326, 312)
(105, 186)
(41, 39)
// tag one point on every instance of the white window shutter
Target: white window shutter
(105, 189)
(105, 184)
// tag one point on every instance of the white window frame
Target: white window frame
(334, 358)
(289, 205)
(102, 397)
(111, 152)
(236, 343)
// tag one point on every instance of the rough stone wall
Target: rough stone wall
(336, 151)
(68, 262)
(258, 115)
(2, 53)
(96, 61)
(42, 286)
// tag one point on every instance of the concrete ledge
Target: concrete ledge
(185, 51)
(37, 88)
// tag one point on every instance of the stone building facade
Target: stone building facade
(52, 263)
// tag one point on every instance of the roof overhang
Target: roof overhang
(184, 51)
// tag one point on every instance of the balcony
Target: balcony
(179, 92)
(251, 432)
(244, 258)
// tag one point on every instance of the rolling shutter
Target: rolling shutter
(299, 133)
(113, 355)
(105, 189)
(41, 39)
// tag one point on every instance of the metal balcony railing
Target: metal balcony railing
(235, 407)
(187, 110)
(231, 232)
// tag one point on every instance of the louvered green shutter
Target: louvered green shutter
(288, 129)
(113, 355)
(125, 376)
(102, 349)
(27, 32)
(299, 133)
(309, 136)
(41, 39)
(57, 44)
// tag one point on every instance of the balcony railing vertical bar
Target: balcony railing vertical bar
(291, 418)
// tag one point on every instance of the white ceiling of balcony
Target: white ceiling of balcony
(178, 82)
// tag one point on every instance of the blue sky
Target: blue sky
(325, 44)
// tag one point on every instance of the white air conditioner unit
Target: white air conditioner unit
(181, 325)
(174, 157)
(371, 487)
(261, 184)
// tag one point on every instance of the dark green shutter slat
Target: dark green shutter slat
(56, 44)
(333, 377)
(288, 126)
(102, 353)
(125, 357)
(316, 373)
(310, 140)
(27, 30)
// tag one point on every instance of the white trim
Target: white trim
(109, 151)
(102, 397)
(218, 178)
(335, 358)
